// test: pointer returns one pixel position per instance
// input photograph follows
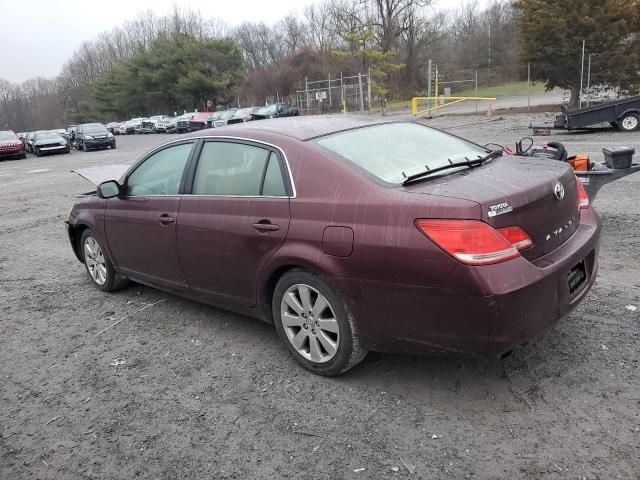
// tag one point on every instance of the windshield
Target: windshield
(242, 112)
(94, 128)
(7, 136)
(267, 110)
(48, 136)
(395, 150)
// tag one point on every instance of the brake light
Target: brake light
(583, 198)
(517, 237)
(469, 241)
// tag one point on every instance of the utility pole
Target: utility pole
(330, 102)
(581, 76)
(528, 86)
(429, 76)
(489, 69)
(476, 90)
(589, 80)
(361, 92)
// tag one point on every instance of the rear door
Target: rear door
(235, 218)
(141, 225)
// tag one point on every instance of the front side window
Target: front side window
(393, 151)
(237, 169)
(161, 173)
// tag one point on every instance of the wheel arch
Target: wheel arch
(302, 258)
(630, 111)
(75, 234)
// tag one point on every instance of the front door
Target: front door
(141, 225)
(235, 218)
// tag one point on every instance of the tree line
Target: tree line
(182, 61)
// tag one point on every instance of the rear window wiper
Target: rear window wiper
(467, 163)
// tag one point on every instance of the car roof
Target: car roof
(302, 128)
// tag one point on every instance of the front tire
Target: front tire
(36, 152)
(98, 265)
(629, 123)
(314, 323)
(85, 148)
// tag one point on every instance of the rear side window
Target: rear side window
(273, 183)
(237, 169)
(161, 173)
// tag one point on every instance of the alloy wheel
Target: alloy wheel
(94, 260)
(310, 323)
(630, 122)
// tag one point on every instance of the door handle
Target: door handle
(266, 227)
(165, 219)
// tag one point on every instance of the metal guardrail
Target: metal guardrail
(436, 102)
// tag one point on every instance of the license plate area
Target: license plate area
(576, 277)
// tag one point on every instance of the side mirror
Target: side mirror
(108, 189)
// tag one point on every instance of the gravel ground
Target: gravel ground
(206, 394)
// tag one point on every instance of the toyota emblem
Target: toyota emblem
(558, 191)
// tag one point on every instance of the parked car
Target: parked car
(192, 122)
(242, 115)
(170, 126)
(276, 110)
(148, 126)
(90, 136)
(220, 118)
(45, 143)
(64, 134)
(11, 146)
(114, 127)
(31, 140)
(415, 240)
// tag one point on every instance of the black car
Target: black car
(90, 136)
(45, 143)
(275, 110)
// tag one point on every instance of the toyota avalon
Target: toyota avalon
(349, 235)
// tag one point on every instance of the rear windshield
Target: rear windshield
(395, 150)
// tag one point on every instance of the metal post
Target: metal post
(528, 86)
(589, 80)
(369, 90)
(476, 90)
(306, 87)
(429, 76)
(437, 100)
(277, 97)
(581, 76)
(330, 102)
(361, 92)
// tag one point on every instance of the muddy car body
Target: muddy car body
(334, 230)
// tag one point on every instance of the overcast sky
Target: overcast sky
(38, 36)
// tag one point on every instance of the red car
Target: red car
(349, 235)
(11, 146)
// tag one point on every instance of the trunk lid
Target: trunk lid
(517, 191)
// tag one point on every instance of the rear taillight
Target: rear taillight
(474, 242)
(583, 198)
(517, 237)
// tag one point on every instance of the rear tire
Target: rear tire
(629, 123)
(314, 323)
(98, 266)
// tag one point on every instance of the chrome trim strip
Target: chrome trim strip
(228, 137)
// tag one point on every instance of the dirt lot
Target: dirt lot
(206, 394)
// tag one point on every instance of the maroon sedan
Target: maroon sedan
(349, 235)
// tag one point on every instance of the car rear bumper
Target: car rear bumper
(516, 302)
